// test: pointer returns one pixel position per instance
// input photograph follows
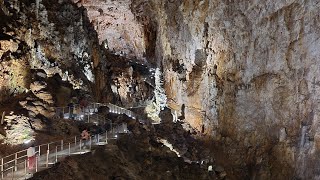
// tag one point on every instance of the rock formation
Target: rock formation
(242, 75)
(50, 53)
(250, 76)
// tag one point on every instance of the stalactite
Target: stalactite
(37, 9)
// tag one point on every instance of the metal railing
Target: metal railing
(76, 111)
(120, 110)
(15, 166)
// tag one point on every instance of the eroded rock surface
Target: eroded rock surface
(117, 27)
(245, 74)
(47, 49)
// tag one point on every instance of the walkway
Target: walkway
(49, 154)
(14, 166)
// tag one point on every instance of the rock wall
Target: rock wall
(117, 28)
(50, 52)
(48, 49)
(245, 73)
(55, 37)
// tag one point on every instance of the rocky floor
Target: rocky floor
(137, 155)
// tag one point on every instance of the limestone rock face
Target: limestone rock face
(117, 28)
(244, 72)
(39, 90)
(47, 49)
(6, 46)
(18, 130)
(128, 84)
(129, 88)
(53, 36)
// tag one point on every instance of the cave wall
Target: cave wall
(52, 51)
(247, 73)
(117, 27)
(55, 37)
(49, 51)
(244, 73)
(121, 74)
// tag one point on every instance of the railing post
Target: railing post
(75, 141)
(88, 117)
(62, 145)
(98, 140)
(47, 160)
(36, 163)
(39, 150)
(56, 154)
(15, 161)
(106, 137)
(90, 140)
(80, 144)
(25, 167)
(12, 171)
(1, 168)
(69, 150)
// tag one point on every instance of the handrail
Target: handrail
(15, 157)
(15, 163)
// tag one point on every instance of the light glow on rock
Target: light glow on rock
(169, 145)
(154, 108)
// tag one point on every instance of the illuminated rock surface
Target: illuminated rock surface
(245, 73)
(241, 76)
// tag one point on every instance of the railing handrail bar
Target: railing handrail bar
(46, 144)
(18, 162)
